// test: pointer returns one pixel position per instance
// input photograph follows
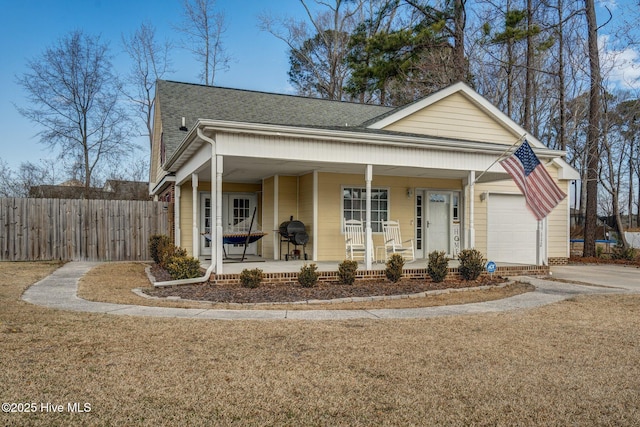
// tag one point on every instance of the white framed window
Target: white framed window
(354, 205)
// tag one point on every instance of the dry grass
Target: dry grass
(113, 282)
(571, 363)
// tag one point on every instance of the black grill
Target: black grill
(293, 233)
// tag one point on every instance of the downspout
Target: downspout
(214, 239)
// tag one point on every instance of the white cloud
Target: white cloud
(620, 65)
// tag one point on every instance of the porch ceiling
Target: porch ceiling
(253, 170)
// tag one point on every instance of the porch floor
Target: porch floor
(293, 266)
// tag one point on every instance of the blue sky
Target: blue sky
(28, 27)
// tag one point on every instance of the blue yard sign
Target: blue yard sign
(491, 267)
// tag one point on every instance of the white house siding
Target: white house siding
(352, 153)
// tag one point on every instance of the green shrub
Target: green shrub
(157, 243)
(599, 251)
(471, 263)
(438, 266)
(183, 267)
(619, 252)
(251, 278)
(394, 267)
(308, 276)
(347, 271)
(167, 252)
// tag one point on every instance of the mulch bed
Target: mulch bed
(292, 292)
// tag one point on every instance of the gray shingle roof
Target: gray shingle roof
(192, 101)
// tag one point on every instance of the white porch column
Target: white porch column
(218, 198)
(315, 216)
(196, 234)
(276, 224)
(368, 233)
(176, 213)
(471, 242)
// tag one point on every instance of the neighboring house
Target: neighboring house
(112, 190)
(219, 153)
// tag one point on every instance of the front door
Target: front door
(439, 221)
(237, 210)
(436, 221)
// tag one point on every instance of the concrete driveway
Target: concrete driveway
(618, 276)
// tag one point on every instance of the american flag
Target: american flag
(540, 192)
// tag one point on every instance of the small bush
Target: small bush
(182, 267)
(471, 263)
(251, 278)
(347, 272)
(438, 266)
(619, 252)
(308, 276)
(599, 251)
(394, 267)
(157, 243)
(167, 252)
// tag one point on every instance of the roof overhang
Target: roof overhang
(192, 142)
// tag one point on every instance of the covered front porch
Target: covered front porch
(427, 187)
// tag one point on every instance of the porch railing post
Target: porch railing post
(196, 234)
(368, 233)
(219, 233)
(177, 199)
(471, 201)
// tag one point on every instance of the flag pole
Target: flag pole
(519, 140)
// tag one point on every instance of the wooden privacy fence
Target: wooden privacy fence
(79, 229)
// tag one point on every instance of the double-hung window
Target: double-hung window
(354, 205)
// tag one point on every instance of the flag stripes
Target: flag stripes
(540, 191)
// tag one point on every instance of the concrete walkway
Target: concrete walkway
(59, 291)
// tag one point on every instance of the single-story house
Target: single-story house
(221, 154)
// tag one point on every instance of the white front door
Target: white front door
(439, 221)
(436, 221)
(205, 223)
(237, 210)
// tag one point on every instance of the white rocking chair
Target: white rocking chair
(354, 240)
(393, 242)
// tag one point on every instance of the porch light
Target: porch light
(409, 193)
(483, 196)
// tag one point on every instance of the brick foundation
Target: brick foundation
(412, 274)
(558, 261)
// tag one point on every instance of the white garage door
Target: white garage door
(512, 230)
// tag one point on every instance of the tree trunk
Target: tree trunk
(529, 69)
(593, 134)
(630, 205)
(561, 81)
(458, 46)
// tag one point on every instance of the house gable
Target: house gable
(457, 118)
(456, 112)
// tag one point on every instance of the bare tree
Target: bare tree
(317, 47)
(150, 63)
(615, 153)
(18, 183)
(75, 97)
(204, 28)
